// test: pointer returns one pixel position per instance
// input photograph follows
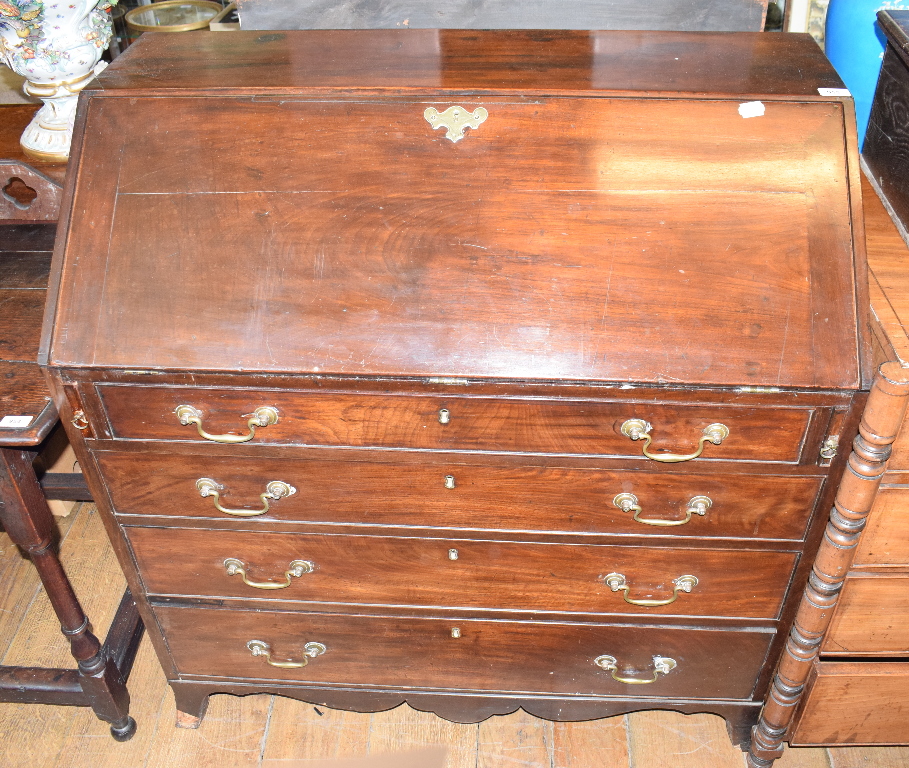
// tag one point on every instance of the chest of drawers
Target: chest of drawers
(475, 370)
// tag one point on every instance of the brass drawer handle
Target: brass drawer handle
(296, 568)
(616, 582)
(660, 664)
(276, 489)
(310, 651)
(637, 429)
(628, 502)
(264, 416)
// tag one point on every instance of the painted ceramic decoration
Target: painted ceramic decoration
(56, 45)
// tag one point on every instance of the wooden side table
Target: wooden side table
(27, 416)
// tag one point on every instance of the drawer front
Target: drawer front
(365, 488)
(526, 657)
(853, 704)
(872, 617)
(459, 423)
(886, 537)
(486, 575)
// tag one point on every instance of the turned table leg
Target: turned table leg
(880, 423)
(28, 522)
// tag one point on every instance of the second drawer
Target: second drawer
(450, 573)
(362, 487)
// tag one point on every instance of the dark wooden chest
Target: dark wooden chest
(470, 369)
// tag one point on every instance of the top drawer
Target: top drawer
(440, 422)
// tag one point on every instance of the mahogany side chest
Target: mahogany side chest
(475, 370)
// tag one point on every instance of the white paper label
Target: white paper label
(834, 92)
(15, 422)
(751, 109)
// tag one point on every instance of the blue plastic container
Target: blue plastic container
(855, 46)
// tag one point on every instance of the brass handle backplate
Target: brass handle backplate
(628, 502)
(276, 489)
(661, 664)
(638, 429)
(310, 651)
(616, 582)
(455, 119)
(297, 568)
(264, 416)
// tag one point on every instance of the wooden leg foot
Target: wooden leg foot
(123, 731)
(192, 701)
(185, 720)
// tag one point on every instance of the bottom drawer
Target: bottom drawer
(855, 703)
(466, 654)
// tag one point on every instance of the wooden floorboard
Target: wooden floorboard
(265, 731)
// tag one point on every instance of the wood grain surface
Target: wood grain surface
(395, 571)
(855, 703)
(25, 251)
(491, 656)
(700, 65)
(370, 488)
(872, 618)
(885, 542)
(474, 423)
(276, 732)
(371, 269)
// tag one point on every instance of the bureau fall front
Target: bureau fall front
(476, 370)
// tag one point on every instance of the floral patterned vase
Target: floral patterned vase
(56, 46)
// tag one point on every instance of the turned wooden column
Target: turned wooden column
(880, 423)
(28, 522)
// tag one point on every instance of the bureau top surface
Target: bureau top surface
(286, 203)
(475, 61)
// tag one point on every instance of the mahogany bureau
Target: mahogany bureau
(477, 370)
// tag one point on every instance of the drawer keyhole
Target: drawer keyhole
(449, 481)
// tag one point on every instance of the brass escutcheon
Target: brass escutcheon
(617, 581)
(297, 568)
(310, 651)
(276, 489)
(263, 416)
(661, 664)
(638, 429)
(455, 119)
(628, 502)
(444, 415)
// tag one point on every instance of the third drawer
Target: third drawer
(462, 574)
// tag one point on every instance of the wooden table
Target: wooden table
(27, 418)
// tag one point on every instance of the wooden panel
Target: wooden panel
(872, 618)
(511, 62)
(24, 393)
(20, 323)
(855, 703)
(374, 570)
(886, 537)
(886, 149)
(368, 488)
(683, 15)
(508, 656)
(475, 423)
(579, 289)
